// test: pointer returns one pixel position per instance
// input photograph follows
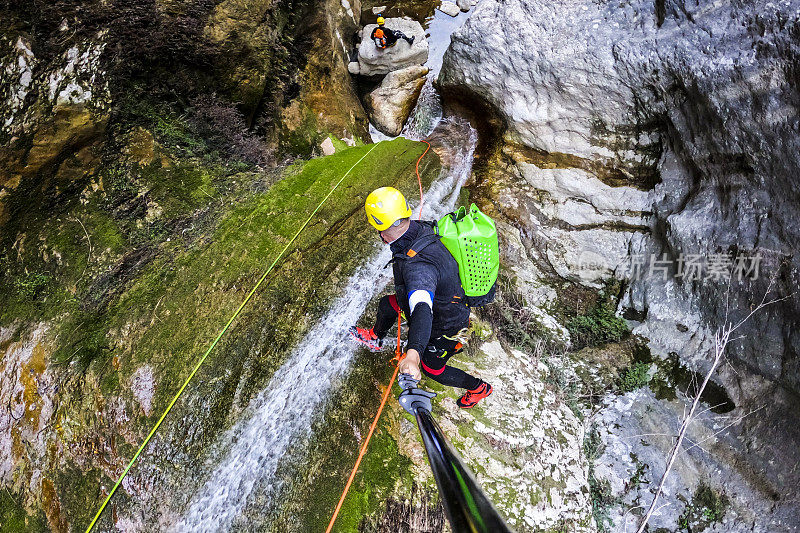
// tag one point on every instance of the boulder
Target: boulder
(450, 8)
(391, 103)
(375, 62)
(327, 147)
(464, 5)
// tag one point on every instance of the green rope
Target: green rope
(213, 344)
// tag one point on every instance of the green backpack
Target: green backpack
(471, 237)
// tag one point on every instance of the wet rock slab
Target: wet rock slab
(391, 103)
(373, 61)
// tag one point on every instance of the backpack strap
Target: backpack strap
(416, 247)
(420, 244)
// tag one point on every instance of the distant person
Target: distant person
(383, 37)
(428, 291)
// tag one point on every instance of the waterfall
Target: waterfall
(282, 413)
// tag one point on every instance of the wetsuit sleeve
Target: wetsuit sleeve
(420, 276)
(419, 328)
(373, 33)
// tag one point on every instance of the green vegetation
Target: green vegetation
(515, 323)
(210, 130)
(599, 326)
(31, 285)
(15, 519)
(600, 491)
(567, 388)
(338, 144)
(634, 377)
(638, 475)
(707, 507)
(381, 469)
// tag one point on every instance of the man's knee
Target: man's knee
(388, 305)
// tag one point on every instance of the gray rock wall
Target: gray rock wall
(640, 131)
(696, 104)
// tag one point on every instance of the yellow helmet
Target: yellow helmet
(385, 206)
(381, 20)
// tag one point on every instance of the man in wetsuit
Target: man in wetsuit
(383, 37)
(428, 291)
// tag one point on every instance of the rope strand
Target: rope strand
(216, 340)
(398, 356)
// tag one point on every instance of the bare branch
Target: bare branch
(721, 339)
(88, 259)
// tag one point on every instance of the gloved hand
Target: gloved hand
(407, 381)
(413, 398)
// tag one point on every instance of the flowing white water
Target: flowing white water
(428, 111)
(282, 413)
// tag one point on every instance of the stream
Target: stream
(243, 479)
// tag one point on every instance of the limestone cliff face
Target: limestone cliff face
(664, 133)
(695, 104)
(77, 76)
(54, 114)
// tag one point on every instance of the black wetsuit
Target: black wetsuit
(430, 332)
(390, 36)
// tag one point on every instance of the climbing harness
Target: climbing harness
(398, 356)
(219, 336)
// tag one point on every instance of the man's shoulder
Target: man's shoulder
(424, 227)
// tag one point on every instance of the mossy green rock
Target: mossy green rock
(116, 341)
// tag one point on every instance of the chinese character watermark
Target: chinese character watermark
(694, 267)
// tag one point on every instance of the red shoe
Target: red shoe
(472, 397)
(368, 338)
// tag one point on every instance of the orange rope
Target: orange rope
(419, 180)
(398, 356)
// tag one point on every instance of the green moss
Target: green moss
(31, 285)
(634, 377)
(639, 475)
(303, 139)
(707, 507)
(179, 190)
(78, 491)
(59, 256)
(15, 519)
(338, 144)
(599, 326)
(380, 470)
